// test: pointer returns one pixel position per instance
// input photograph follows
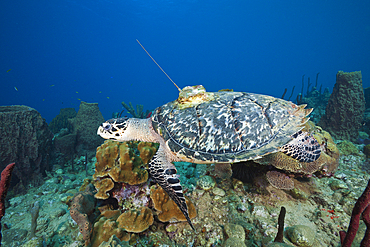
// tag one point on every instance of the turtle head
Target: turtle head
(114, 129)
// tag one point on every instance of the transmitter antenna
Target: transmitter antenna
(158, 65)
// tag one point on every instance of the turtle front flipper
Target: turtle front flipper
(304, 147)
(164, 173)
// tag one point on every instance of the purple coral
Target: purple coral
(136, 195)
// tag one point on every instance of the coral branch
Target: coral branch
(284, 93)
(291, 93)
(4, 186)
(34, 210)
(317, 78)
(360, 208)
(366, 218)
(280, 233)
(308, 86)
(302, 84)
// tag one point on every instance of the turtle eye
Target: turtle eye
(107, 126)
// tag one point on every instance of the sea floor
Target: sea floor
(230, 213)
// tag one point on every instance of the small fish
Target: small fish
(79, 99)
(43, 99)
(16, 89)
(52, 85)
(8, 71)
(99, 91)
(107, 97)
(76, 92)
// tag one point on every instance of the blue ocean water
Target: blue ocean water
(56, 53)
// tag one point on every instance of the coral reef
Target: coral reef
(229, 213)
(61, 120)
(25, 140)
(314, 98)
(121, 173)
(344, 112)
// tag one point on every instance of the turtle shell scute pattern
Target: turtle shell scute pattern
(235, 126)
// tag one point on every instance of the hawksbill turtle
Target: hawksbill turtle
(215, 127)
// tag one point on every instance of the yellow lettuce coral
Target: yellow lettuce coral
(136, 220)
(118, 162)
(106, 226)
(167, 209)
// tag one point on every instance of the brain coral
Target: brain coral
(166, 208)
(119, 162)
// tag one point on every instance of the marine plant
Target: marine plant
(139, 113)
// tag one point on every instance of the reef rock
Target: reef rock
(25, 140)
(346, 107)
(81, 209)
(61, 120)
(301, 235)
(85, 124)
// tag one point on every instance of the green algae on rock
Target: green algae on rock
(301, 235)
(206, 182)
(348, 148)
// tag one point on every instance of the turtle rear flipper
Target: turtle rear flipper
(164, 173)
(304, 147)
